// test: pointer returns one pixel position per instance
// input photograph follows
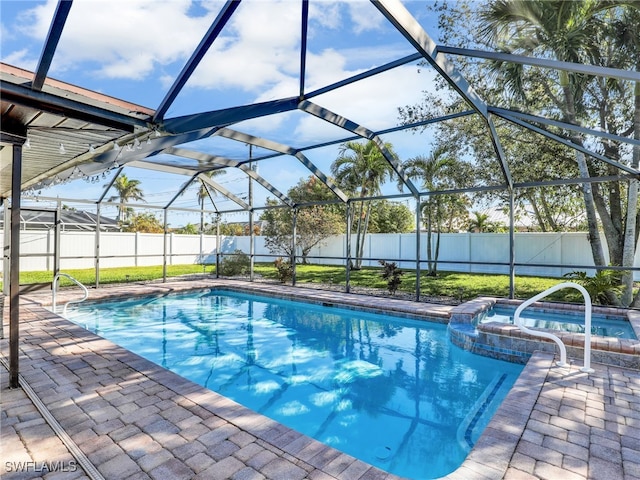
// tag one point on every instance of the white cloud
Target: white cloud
(326, 14)
(35, 22)
(22, 58)
(359, 15)
(121, 39)
(6, 33)
(259, 50)
(364, 17)
(373, 102)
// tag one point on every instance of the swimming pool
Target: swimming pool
(566, 321)
(392, 392)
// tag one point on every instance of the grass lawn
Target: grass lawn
(87, 276)
(453, 284)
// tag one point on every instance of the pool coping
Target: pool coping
(491, 457)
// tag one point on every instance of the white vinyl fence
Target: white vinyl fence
(463, 252)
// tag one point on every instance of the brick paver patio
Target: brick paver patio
(135, 420)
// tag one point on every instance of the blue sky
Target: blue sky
(134, 49)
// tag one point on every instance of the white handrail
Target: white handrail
(54, 289)
(587, 324)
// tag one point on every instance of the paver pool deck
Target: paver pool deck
(127, 418)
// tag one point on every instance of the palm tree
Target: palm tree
(431, 171)
(362, 169)
(628, 42)
(566, 31)
(204, 192)
(579, 32)
(480, 222)
(127, 190)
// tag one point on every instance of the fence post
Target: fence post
(171, 239)
(136, 243)
(48, 256)
(469, 267)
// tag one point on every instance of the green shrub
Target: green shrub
(285, 270)
(391, 273)
(603, 288)
(237, 263)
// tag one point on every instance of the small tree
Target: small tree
(391, 273)
(391, 217)
(314, 223)
(230, 229)
(285, 270)
(237, 263)
(144, 223)
(188, 229)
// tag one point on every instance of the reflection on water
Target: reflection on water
(573, 322)
(394, 393)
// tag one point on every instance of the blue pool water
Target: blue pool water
(392, 392)
(566, 321)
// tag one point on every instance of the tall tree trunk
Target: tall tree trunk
(536, 211)
(629, 248)
(367, 216)
(553, 226)
(611, 234)
(631, 241)
(592, 220)
(429, 251)
(358, 264)
(438, 231)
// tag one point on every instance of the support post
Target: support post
(218, 245)
(6, 229)
(97, 246)
(252, 245)
(5, 262)
(348, 240)
(418, 233)
(56, 242)
(251, 237)
(164, 249)
(14, 275)
(512, 247)
(201, 257)
(294, 245)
